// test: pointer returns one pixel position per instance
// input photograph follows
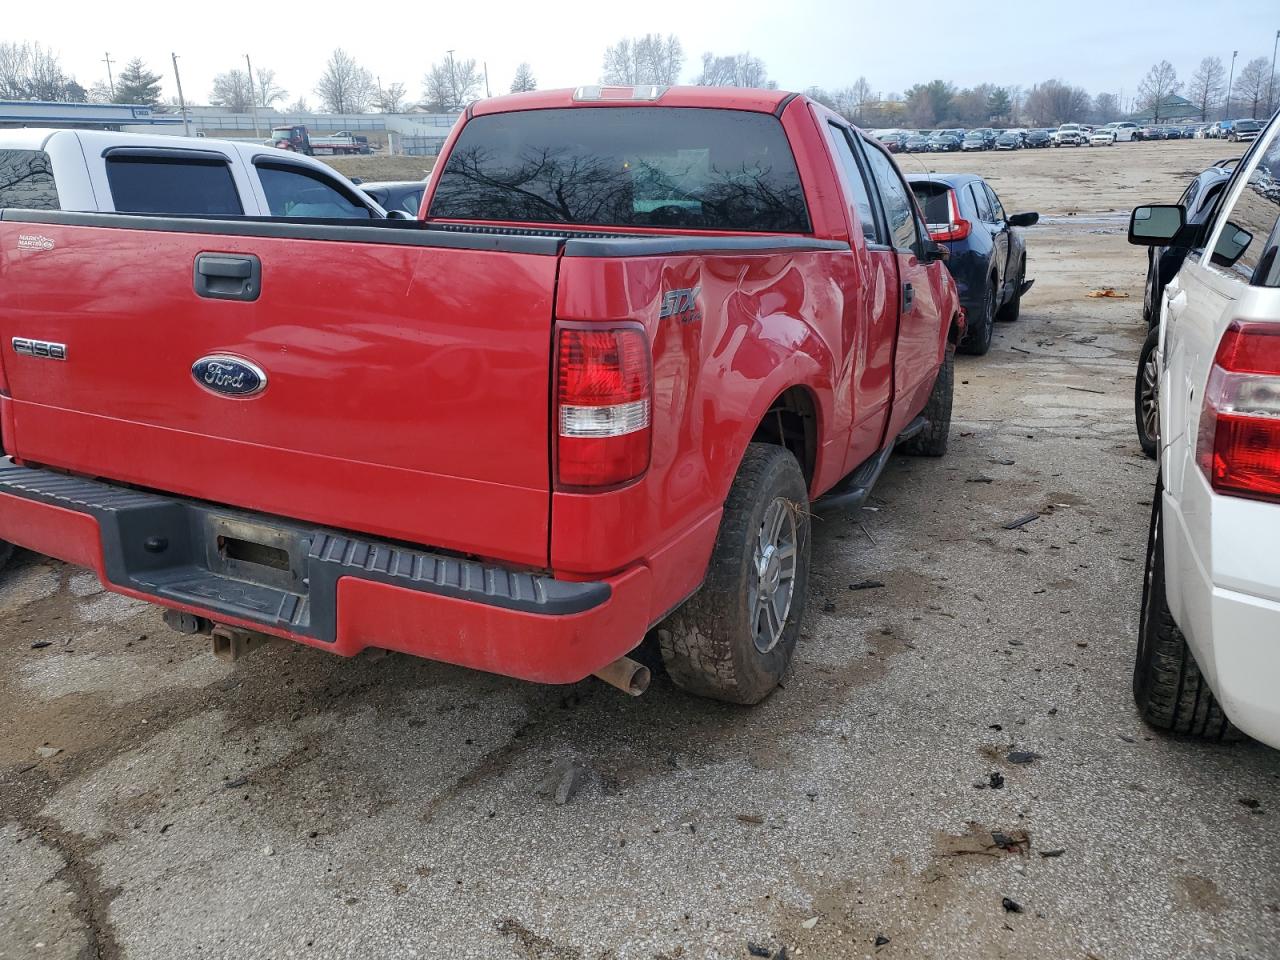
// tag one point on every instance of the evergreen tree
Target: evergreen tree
(137, 84)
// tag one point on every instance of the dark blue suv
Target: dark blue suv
(988, 255)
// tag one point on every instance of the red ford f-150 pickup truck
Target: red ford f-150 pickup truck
(634, 335)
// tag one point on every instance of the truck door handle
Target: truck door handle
(908, 297)
(227, 276)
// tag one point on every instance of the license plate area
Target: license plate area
(255, 552)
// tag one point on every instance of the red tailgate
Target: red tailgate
(406, 394)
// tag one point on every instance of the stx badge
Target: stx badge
(682, 304)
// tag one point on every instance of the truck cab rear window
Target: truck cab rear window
(173, 187)
(26, 180)
(675, 167)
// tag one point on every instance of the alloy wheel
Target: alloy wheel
(772, 587)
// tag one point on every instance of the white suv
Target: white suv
(1208, 659)
(1123, 130)
(1071, 133)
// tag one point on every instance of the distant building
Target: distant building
(1173, 109)
(91, 116)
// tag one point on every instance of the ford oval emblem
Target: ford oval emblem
(229, 376)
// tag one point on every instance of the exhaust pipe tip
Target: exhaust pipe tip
(629, 676)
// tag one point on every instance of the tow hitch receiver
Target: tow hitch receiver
(232, 643)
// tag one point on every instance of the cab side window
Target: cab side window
(297, 192)
(155, 184)
(857, 184)
(1247, 245)
(898, 208)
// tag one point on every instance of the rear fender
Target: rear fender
(793, 356)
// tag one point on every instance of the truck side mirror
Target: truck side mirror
(931, 252)
(1024, 219)
(1231, 245)
(1156, 225)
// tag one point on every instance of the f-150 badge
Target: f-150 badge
(42, 349)
(229, 376)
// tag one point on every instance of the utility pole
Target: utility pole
(1230, 79)
(382, 103)
(253, 100)
(486, 79)
(453, 81)
(182, 103)
(111, 81)
(1271, 84)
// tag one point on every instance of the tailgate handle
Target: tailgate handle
(228, 276)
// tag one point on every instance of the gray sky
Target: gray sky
(1102, 45)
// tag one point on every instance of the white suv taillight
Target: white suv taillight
(604, 398)
(1238, 448)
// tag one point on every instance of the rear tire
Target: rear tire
(1168, 687)
(733, 640)
(1146, 395)
(932, 440)
(977, 340)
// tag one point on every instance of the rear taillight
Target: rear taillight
(957, 229)
(603, 406)
(1238, 448)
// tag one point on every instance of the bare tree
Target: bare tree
(1055, 102)
(859, 96)
(231, 90)
(30, 72)
(1254, 83)
(345, 86)
(391, 98)
(523, 81)
(1206, 85)
(1160, 83)
(1016, 99)
(734, 70)
(452, 84)
(265, 89)
(1106, 107)
(298, 106)
(652, 58)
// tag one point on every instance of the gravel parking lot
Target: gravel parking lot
(158, 803)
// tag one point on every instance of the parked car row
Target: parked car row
(1207, 398)
(1237, 131)
(990, 138)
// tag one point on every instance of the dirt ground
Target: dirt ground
(158, 803)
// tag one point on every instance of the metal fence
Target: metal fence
(418, 146)
(321, 123)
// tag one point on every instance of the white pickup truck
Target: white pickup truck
(107, 172)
